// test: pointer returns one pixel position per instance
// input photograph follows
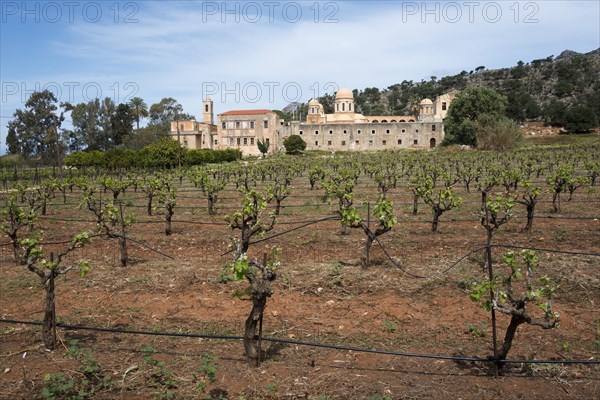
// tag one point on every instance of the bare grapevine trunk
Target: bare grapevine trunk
(168, 230)
(261, 291)
(483, 199)
(556, 201)
(149, 210)
(251, 332)
(436, 219)
(212, 199)
(122, 239)
(530, 211)
(168, 217)
(515, 321)
(16, 248)
(344, 230)
(123, 250)
(365, 261)
(49, 327)
(415, 204)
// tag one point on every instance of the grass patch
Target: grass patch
(565, 139)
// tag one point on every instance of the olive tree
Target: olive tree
(294, 144)
(467, 112)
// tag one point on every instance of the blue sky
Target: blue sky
(263, 54)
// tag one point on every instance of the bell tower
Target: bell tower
(207, 111)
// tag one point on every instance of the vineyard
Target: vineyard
(388, 275)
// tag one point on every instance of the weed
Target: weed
(160, 377)
(389, 326)
(336, 274)
(287, 279)
(560, 235)
(58, 386)
(477, 330)
(138, 279)
(271, 390)
(224, 277)
(378, 397)
(467, 282)
(206, 371)
(553, 370)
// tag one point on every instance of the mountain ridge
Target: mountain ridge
(539, 90)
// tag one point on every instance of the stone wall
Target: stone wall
(368, 136)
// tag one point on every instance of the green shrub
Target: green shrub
(294, 144)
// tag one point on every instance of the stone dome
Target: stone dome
(344, 94)
(426, 102)
(313, 102)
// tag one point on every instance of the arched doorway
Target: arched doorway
(431, 143)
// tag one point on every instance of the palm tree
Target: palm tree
(414, 105)
(140, 109)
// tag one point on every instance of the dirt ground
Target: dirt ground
(321, 296)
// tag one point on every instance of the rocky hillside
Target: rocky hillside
(543, 89)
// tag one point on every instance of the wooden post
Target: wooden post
(493, 311)
(260, 322)
(367, 261)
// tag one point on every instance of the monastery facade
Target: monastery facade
(344, 130)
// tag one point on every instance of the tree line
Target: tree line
(37, 131)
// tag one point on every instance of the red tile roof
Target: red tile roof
(247, 112)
